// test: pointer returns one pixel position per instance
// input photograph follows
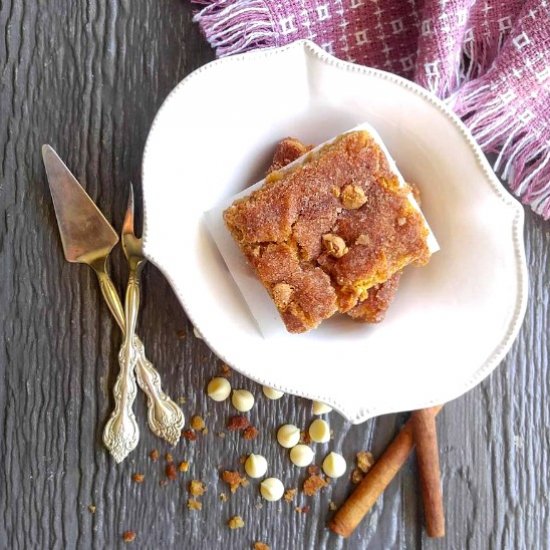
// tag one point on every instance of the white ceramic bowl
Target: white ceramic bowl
(452, 321)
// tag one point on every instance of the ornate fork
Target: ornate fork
(165, 418)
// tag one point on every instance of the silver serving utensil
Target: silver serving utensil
(165, 417)
(88, 238)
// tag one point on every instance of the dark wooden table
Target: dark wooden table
(88, 77)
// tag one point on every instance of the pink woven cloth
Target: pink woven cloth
(489, 59)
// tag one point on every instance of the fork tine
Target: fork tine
(128, 225)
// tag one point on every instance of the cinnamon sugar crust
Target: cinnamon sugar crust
(289, 228)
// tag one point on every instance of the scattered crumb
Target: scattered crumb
(221, 434)
(194, 504)
(154, 455)
(169, 458)
(364, 460)
(225, 370)
(190, 435)
(261, 546)
(289, 495)
(302, 509)
(197, 334)
(356, 476)
(205, 431)
(305, 438)
(234, 480)
(171, 471)
(182, 400)
(163, 482)
(314, 483)
(181, 334)
(224, 497)
(313, 470)
(237, 422)
(332, 506)
(236, 522)
(250, 433)
(259, 505)
(138, 478)
(129, 536)
(183, 466)
(196, 488)
(92, 508)
(197, 423)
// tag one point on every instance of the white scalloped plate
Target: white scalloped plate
(452, 321)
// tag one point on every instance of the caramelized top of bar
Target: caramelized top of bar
(330, 228)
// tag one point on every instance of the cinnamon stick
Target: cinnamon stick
(427, 456)
(377, 479)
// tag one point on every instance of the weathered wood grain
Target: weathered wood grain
(88, 77)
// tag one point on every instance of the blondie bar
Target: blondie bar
(324, 231)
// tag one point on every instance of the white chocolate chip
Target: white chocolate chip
(334, 465)
(255, 466)
(301, 455)
(272, 489)
(242, 400)
(320, 408)
(272, 393)
(288, 436)
(218, 389)
(319, 431)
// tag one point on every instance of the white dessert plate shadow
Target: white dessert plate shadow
(452, 321)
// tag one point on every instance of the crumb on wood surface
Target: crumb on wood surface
(314, 483)
(302, 509)
(236, 522)
(196, 488)
(197, 423)
(234, 480)
(258, 545)
(356, 476)
(237, 422)
(190, 435)
(250, 433)
(171, 471)
(194, 504)
(154, 455)
(138, 478)
(225, 370)
(290, 494)
(183, 466)
(129, 536)
(364, 460)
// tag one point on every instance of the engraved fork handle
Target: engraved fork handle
(165, 418)
(121, 433)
